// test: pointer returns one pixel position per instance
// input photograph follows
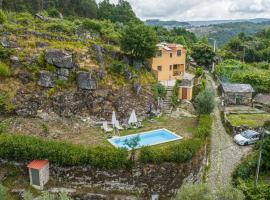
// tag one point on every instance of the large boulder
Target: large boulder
(45, 79)
(59, 58)
(85, 82)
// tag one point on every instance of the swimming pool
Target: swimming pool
(146, 138)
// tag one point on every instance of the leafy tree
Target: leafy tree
(121, 12)
(194, 192)
(139, 40)
(132, 144)
(205, 102)
(203, 54)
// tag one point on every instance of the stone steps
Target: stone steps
(167, 108)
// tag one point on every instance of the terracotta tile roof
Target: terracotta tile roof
(262, 99)
(37, 164)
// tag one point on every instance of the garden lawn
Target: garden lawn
(250, 120)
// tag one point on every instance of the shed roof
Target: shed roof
(188, 76)
(262, 99)
(236, 87)
(37, 164)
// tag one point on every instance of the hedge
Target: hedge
(178, 153)
(26, 148)
(205, 127)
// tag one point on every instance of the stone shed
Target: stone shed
(39, 173)
(186, 87)
(262, 101)
(237, 94)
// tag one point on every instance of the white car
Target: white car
(247, 137)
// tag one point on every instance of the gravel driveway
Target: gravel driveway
(224, 154)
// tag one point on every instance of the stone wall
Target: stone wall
(230, 98)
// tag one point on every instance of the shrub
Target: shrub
(3, 17)
(4, 70)
(158, 90)
(175, 94)
(53, 12)
(178, 153)
(4, 53)
(194, 192)
(199, 72)
(252, 192)
(205, 127)
(5, 104)
(229, 193)
(246, 169)
(26, 148)
(205, 102)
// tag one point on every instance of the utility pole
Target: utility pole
(259, 158)
(213, 64)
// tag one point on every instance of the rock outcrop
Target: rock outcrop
(45, 79)
(59, 58)
(85, 82)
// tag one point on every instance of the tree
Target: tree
(132, 144)
(194, 192)
(121, 12)
(139, 40)
(203, 54)
(205, 102)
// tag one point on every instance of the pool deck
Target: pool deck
(178, 137)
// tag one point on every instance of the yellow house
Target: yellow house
(169, 65)
(169, 62)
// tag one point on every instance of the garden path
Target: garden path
(224, 154)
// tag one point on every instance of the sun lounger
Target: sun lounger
(106, 128)
(118, 126)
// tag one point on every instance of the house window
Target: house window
(174, 66)
(179, 52)
(171, 55)
(170, 67)
(159, 68)
(159, 53)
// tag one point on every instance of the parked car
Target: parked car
(247, 137)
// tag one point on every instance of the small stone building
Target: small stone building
(39, 173)
(186, 87)
(262, 101)
(237, 94)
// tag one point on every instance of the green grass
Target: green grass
(250, 120)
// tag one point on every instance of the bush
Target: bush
(4, 53)
(205, 127)
(246, 169)
(158, 90)
(252, 192)
(199, 72)
(4, 70)
(205, 102)
(3, 17)
(194, 192)
(178, 153)
(175, 94)
(53, 12)
(203, 191)
(5, 103)
(26, 148)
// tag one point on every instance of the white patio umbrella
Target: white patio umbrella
(132, 118)
(113, 119)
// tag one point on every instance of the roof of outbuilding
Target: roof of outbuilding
(188, 76)
(236, 87)
(37, 164)
(263, 99)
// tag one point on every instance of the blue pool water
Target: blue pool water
(147, 138)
